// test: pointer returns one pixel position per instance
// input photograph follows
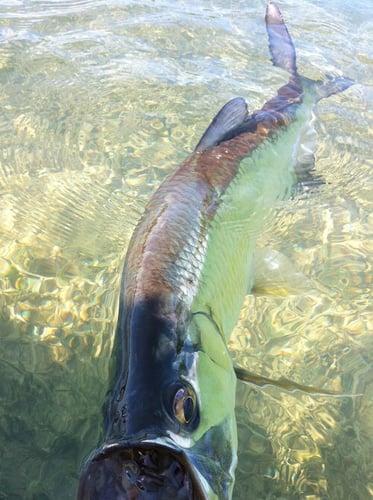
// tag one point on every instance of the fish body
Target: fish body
(170, 429)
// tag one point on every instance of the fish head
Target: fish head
(177, 438)
(162, 464)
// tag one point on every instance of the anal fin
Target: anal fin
(304, 169)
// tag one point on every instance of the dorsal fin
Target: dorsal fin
(231, 116)
(280, 42)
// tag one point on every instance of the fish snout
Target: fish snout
(139, 472)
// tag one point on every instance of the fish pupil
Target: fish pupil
(188, 409)
(184, 407)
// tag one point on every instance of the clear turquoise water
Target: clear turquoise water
(99, 101)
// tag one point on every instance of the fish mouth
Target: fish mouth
(145, 471)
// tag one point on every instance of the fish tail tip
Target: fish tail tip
(280, 43)
(333, 86)
(273, 14)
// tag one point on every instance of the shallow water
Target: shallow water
(99, 101)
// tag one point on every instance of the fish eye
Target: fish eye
(184, 405)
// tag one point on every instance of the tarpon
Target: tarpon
(170, 429)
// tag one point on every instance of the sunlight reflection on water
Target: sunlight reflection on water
(99, 102)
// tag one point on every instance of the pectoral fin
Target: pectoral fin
(286, 384)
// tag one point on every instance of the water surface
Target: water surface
(99, 101)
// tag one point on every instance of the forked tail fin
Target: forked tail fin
(283, 55)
